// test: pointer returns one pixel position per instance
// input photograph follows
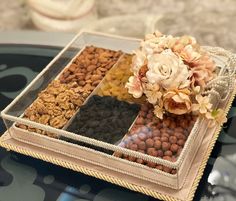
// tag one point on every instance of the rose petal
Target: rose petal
(177, 99)
(184, 96)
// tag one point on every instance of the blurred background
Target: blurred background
(212, 22)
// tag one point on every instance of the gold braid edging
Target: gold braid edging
(209, 150)
(89, 172)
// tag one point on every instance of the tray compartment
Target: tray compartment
(61, 99)
(114, 81)
(104, 118)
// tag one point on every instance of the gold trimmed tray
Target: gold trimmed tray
(160, 192)
(38, 147)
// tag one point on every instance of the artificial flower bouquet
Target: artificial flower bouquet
(175, 74)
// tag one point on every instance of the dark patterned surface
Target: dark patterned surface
(26, 179)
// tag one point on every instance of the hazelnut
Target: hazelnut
(157, 144)
(181, 142)
(173, 139)
(174, 158)
(168, 153)
(140, 121)
(156, 133)
(139, 160)
(136, 140)
(168, 158)
(164, 139)
(159, 126)
(167, 169)
(134, 136)
(150, 126)
(163, 130)
(150, 115)
(165, 135)
(169, 131)
(174, 148)
(131, 158)
(151, 164)
(165, 146)
(150, 151)
(142, 136)
(144, 129)
(128, 143)
(142, 114)
(137, 129)
(179, 130)
(149, 134)
(166, 123)
(180, 136)
(149, 142)
(134, 147)
(173, 125)
(147, 121)
(157, 138)
(142, 145)
(160, 153)
(159, 167)
(184, 124)
(154, 153)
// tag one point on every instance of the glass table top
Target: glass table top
(28, 179)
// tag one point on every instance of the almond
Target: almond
(91, 67)
(96, 77)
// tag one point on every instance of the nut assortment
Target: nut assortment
(59, 101)
(90, 67)
(115, 80)
(160, 138)
(107, 116)
(55, 105)
(104, 118)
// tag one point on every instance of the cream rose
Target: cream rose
(167, 70)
